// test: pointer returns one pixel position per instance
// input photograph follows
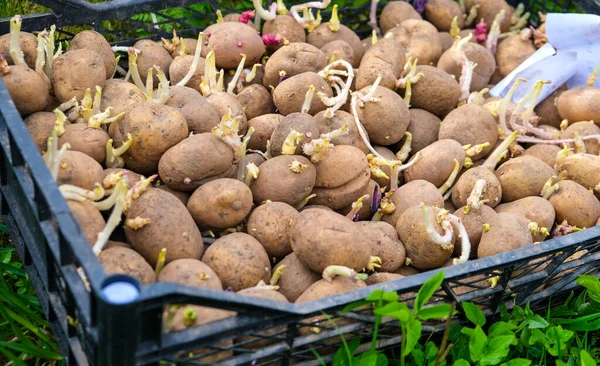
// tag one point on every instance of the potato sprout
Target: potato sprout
(53, 154)
(460, 58)
(474, 200)
(71, 192)
(450, 223)
(450, 181)
(227, 130)
(332, 75)
(310, 21)
(195, 62)
(117, 198)
(319, 148)
(356, 206)
(492, 38)
(330, 272)
(113, 156)
(14, 44)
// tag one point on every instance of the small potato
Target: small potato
(492, 191)
(40, 125)
(127, 261)
(340, 50)
(223, 102)
(512, 52)
(584, 129)
(575, 204)
(290, 94)
(88, 140)
(285, 178)
(507, 232)
(80, 170)
(194, 161)
(27, 43)
(221, 203)
(152, 54)
(473, 222)
(170, 226)
(394, 13)
(387, 119)
(96, 42)
(424, 128)
(255, 101)
(190, 272)
(582, 168)
(544, 152)
(270, 224)
(339, 120)
(321, 238)
(441, 12)
(295, 59)
(412, 194)
(299, 122)
(295, 277)
(385, 244)
(239, 260)
(547, 109)
(486, 64)
(436, 92)
(181, 66)
(75, 71)
(288, 27)
(522, 177)
(381, 277)
(198, 112)
(229, 40)
(89, 218)
(470, 124)
(27, 89)
(421, 40)
(120, 95)
(322, 35)
(263, 129)
(423, 252)
(441, 155)
(579, 104)
(386, 58)
(532, 209)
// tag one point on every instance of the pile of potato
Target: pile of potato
(313, 157)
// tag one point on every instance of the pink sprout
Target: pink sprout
(240, 44)
(271, 39)
(208, 34)
(481, 32)
(246, 16)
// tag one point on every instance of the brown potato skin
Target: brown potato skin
(365, 211)
(198, 112)
(441, 12)
(532, 209)
(88, 140)
(394, 13)
(344, 195)
(547, 109)
(321, 238)
(288, 27)
(255, 101)
(522, 177)
(130, 177)
(339, 120)
(582, 168)
(222, 102)
(470, 124)
(544, 152)
(263, 129)
(436, 92)
(184, 197)
(424, 128)
(294, 59)
(340, 50)
(171, 226)
(89, 218)
(386, 121)
(507, 232)
(323, 35)
(153, 53)
(181, 66)
(295, 277)
(381, 277)
(155, 128)
(473, 222)
(574, 203)
(446, 41)
(270, 224)
(422, 251)
(386, 58)
(239, 260)
(441, 154)
(412, 194)
(341, 165)
(289, 95)
(96, 42)
(27, 89)
(221, 203)
(75, 71)
(200, 158)
(276, 182)
(79, 169)
(466, 182)
(28, 45)
(190, 272)
(322, 288)
(224, 41)
(579, 104)
(300, 122)
(40, 125)
(512, 52)
(584, 129)
(486, 64)
(488, 9)
(385, 244)
(126, 261)
(421, 40)
(120, 95)
(407, 271)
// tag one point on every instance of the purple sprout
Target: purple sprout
(375, 199)
(419, 5)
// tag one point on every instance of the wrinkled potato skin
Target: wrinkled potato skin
(584, 129)
(440, 154)
(342, 196)
(385, 244)
(544, 152)
(441, 12)
(340, 50)
(394, 13)
(295, 59)
(96, 42)
(181, 66)
(300, 122)
(225, 40)
(86, 139)
(507, 232)
(89, 218)
(255, 101)
(198, 112)
(277, 182)
(466, 182)
(126, 261)
(421, 40)
(290, 94)
(171, 226)
(412, 194)
(200, 158)
(339, 120)
(40, 125)
(288, 27)
(381, 277)
(28, 45)
(473, 222)
(583, 169)
(263, 129)
(486, 64)
(436, 92)
(222, 102)
(470, 124)
(386, 58)
(386, 121)
(322, 35)
(221, 203)
(120, 95)
(239, 260)
(27, 90)
(295, 277)
(270, 224)
(532, 209)
(321, 238)
(153, 53)
(574, 203)
(190, 272)
(547, 109)
(579, 104)
(79, 169)
(341, 165)
(512, 52)
(522, 177)
(422, 251)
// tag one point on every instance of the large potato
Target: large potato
(339, 120)
(119, 95)
(436, 92)
(394, 13)
(575, 204)
(532, 209)
(180, 67)
(294, 59)
(79, 169)
(28, 45)
(579, 104)
(545, 152)
(385, 58)
(89, 218)
(424, 128)
(421, 40)
(263, 129)
(511, 53)
(582, 168)
(270, 224)
(75, 71)
(96, 42)
(223, 103)
(255, 101)
(441, 154)
(522, 177)
(412, 194)
(492, 191)
(152, 54)
(229, 40)
(199, 114)
(290, 94)
(27, 89)
(385, 244)
(473, 222)
(344, 195)
(386, 119)
(592, 146)
(288, 27)
(190, 272)
(323, 35)
(441, 12)
(118, 260)
(470, 124)
(507, 232)
(486, 64)
(300, 122)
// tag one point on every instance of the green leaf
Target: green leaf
(586, 359)
(396, 310)
(560, 363)
(418, 357)
(375, 295)
(439, 311)
(428, 289)
(343, 356)
(462, 362)
(517, 362)
(477, 342)
(501, 328)
(391, 296)
(592, 284)
(473, 313)
(431, 352)
(370, 358)
(536, 321)
(413, 334)
(537, 336)
(497, 350)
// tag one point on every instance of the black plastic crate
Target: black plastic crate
(92, 330)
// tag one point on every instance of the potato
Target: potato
(342, 196)
(341, 165)
(79, 169)
(155, 128)
(190, 272)
(436, 92)
(446, 40)
(290, 94)
(412, 194)
(299, 122)
(239, 260)
(75, 71)
(574, 203)
(262, 338)
(512, 52)
(492, 191)
(120, 95)
(532, 209)
(522, 177)
(263, 129)
(288, 27)
(28, 45)
(126, 261)
(40, 125)
(223, 102)
(387, 119)
(385, 244)
(278, 182)
(441, 154)
(406, 271)
(255, 101)
(177, 51)
(322, 35)
(582, 168)
(486, 64)
(578, 104)
(270, 224)
(488, 9)
(340, 50)
(441, 12)
(198, 112)
(381, 277)
(473, 222)
(181, 66)
(424, 128)
(295, 277)
(27, 89)
(221, 203)
(131, 178)
(295, 59)
(184, 197)
(255, 158)
(544, 152)
(470, 124)
(507, 232)
(89, 218)
(423, 252)
(229, 40)
(88, 140)
(153, 54)
(196, 160)
(386, 58)
(323, 288)
(365, 212)
(321, 238)
(339, 120)
(421, 40)
(170, 226)
(94, 41)
(584, 129)
(394, 13)
(547, 109)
